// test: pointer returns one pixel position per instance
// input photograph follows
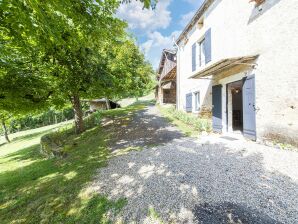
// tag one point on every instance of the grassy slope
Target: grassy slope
(38, 190)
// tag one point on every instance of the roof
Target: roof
(205, 5)
(171, 75)
(222, 65)
(163, 58)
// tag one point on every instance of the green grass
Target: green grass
(189, 124)
(39, 190)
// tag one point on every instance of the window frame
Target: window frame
(197, 101)
(201, 57)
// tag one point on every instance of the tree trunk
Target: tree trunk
(79, 124)
(108, 104)
(5, 131)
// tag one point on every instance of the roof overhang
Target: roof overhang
(199, 13)
(171, 75)
(223, 65)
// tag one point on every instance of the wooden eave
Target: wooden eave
(171, 75)
(223, 65)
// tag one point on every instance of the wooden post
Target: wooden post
(108, 104)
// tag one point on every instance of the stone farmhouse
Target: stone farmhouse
(237, 62)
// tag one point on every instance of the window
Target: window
(201, 23)
(201, 53)
(197, 101)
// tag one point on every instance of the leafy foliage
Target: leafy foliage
(54, 52)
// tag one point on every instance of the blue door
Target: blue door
(216, 108)
(249, 112)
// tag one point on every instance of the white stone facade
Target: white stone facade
(239, 29)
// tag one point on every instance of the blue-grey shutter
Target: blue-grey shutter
(189, 102)
(193, 56)
(216, 108)
(249, 111)
(207, 46)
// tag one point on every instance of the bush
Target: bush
(199, 124)
(58, 143)
(35, 121)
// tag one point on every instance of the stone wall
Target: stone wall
(239, 29)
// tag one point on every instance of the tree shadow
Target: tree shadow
(142, 128)
(228, 212)
(184, 180)
(35, 189)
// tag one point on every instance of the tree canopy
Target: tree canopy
(53, 52)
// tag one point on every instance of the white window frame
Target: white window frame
(200, 53)
(197, 101)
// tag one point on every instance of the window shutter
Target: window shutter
(189, 102)
(207, 46)
(193, 55)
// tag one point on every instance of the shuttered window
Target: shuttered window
(193, 55)
(189, 102)
(207, 46)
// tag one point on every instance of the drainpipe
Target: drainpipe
(178, 75)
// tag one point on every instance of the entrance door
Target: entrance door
(249, 113)
(216, 109)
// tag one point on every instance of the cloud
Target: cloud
(155, 43)
(146, 19)
(185, 19)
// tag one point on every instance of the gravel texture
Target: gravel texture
(206, 180)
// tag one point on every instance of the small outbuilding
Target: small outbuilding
(102, 104)
(166, 89)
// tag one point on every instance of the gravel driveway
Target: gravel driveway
(206, 180)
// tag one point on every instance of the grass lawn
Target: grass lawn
(34, 189)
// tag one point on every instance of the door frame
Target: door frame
(227, 102)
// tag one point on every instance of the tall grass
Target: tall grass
(200, 124)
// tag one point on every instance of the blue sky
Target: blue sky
(154, 29)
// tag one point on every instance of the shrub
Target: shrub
(200, 124)
(58, 143)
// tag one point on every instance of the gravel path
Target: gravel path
(207, 180)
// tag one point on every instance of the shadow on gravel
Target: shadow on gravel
(188, 182)
(229, 213)
(142, 128)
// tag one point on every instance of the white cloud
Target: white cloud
(155, 44)
(185, 19)
(146, 47)
(146, 19)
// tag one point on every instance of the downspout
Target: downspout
(178, 76)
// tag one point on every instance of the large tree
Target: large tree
(56, 51)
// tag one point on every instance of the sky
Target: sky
(155, 29)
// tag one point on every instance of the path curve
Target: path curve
(207, 180)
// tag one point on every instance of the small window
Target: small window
(201, 53)
(197, 101)
(201, 23)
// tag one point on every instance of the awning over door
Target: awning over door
(223, 65)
